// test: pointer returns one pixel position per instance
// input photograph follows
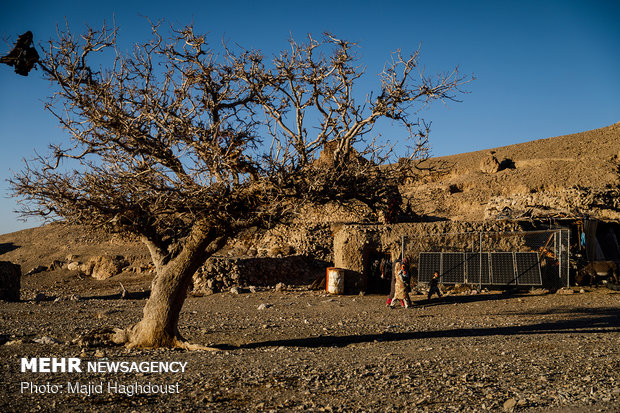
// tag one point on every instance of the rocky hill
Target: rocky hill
(572, 175)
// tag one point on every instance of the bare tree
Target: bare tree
(185, 147)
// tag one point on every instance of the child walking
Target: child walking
(434, 286)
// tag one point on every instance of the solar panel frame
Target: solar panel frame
(528, 268)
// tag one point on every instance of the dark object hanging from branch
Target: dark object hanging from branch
(23, 56)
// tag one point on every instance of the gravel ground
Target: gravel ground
(307, 351)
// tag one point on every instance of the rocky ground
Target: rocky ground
(301, 350)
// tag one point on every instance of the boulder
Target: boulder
(73, 266)
(490, 165)
(10, 281)
(103, 267)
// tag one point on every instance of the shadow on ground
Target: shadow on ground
(596, 321)
(8, 247)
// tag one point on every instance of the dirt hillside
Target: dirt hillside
(565, 174)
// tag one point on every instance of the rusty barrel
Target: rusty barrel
(335, 280)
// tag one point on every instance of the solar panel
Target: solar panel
(502, 268)
(528, 268)
(477, 274)
(453, 268)
(429, 263)
(499, 268)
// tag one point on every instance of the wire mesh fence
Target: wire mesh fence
(532, 258)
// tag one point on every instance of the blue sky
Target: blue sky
(542, 68)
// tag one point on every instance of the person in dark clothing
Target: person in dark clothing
(388, 274)
(434, 285)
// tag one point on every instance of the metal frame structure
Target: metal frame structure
(529, 258)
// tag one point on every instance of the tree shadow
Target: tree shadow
(8, 247)
(599, 321)
(137, 295)
(462, 299)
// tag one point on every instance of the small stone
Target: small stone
(281, 287)
(235, 290)
(510, 404)
(40, 297)
(47, 340)
(264, 306)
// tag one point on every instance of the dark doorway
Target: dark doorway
(378, 270)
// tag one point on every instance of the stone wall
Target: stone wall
(222, 273)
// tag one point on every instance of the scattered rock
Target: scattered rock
(281, 287)
(36, 270)
(235, 290)
(56, 265)
(47, 340)
(510, 404)
(264, 306)
(73, 266)
(104, 267)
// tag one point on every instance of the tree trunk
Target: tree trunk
(159, 325)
